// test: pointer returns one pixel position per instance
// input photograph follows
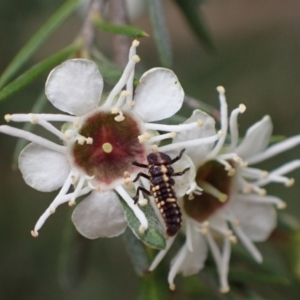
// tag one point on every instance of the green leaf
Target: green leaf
(73, 259)
(37, 70)
(154, 286)
(120, 29)
(38, 39)
(154, 236)
(137, 252)
(192, 13)
(160, 32)
(21, 143)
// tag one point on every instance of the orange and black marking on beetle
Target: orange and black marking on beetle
(160, 175)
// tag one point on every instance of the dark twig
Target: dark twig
(118, 16)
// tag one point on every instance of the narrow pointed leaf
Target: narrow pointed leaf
(38, 106)
(38, 39)
(154, 236)
(73, 259)
(137, 252)
(160, 32)
(120, 29)
(193, 15)
(37, 70)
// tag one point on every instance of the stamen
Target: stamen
(194, 188)
(48, 126)
(174, 128)
(210, 189)
(234, 132)
(161, 254)
(225, 266)
(161, 137)
(144, 137)
(107, 147)
(275, 149)
(263, 199)
(138, 213)
(176, 264)
(190, 143)
(189, 235)
(78, 188)
(275, 175)
(254, 173)
(46, 117)
(129, 84)
(122, 81)
(224, 123)
(32, 137)
(247, 243)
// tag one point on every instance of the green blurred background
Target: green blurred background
(257, 60)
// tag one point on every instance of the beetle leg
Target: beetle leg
(180, 173)
(177, 157)
(141, 174)
(136, 163)
(142, 189)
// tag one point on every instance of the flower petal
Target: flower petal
(257, 138)
(99, 215)
(182, 182)
(43, 169)
(256, 219)
(75, 86)
(158, 96)
(198, 154)
(194, 260)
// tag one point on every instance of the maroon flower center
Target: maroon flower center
(115, 145)
(203, 206)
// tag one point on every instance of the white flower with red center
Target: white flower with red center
(225, 202)
(99, 143)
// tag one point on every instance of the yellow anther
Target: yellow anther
(34, 233)
(135, 43)
(142, 229)
(81, 140)
(281, 205)
(242, 108)
(136, 58)
(224, 289)
(119, 118)
(221, 89)
(290, 182)
(172, 287)
(154, 148)
(72, 203)
(89, 141)
(7, 117)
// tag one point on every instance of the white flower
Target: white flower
(99, 143)
(226, 197)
